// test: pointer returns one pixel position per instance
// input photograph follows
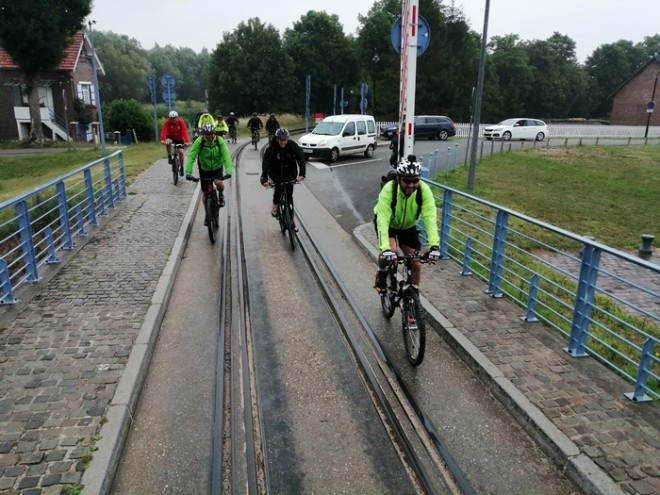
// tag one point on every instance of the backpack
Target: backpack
(391, 175)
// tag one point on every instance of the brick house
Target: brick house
(630, 99)
(73, 77)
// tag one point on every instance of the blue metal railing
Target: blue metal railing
(604, 301)
(36, 225)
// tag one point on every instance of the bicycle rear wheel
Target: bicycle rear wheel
(387, 298)
(414, 327)
(175, 168)
(209, 208)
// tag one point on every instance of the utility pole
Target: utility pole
(472, 167)
(96, 89)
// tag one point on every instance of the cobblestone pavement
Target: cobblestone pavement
(63, 351)
(582, 399)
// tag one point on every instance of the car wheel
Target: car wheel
(443, 135)
(334, 155)
(506, 136)
(540, 136)
(369, 152)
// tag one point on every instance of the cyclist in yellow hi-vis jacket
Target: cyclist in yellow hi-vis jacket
(401, 203)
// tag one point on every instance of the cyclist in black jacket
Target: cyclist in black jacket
(283, 160)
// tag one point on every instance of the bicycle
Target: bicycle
(255, 137)
(232, 135)
(212, 204)
(401, 294)
(173, 158)
(285, 211)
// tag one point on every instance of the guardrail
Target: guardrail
(36, 225)
(604, 301)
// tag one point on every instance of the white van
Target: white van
(341, 135)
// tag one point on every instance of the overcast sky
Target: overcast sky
(590, 23)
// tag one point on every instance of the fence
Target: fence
(604, 301)
(36, 225)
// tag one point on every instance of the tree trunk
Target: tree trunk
(36, 131)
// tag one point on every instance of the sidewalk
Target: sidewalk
(574, 408)
(73, 355)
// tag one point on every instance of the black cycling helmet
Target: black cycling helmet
(254, 114)
(282, 133)
(409, 167)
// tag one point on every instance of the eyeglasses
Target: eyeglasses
(410, 181)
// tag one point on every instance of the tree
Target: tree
(36, 34)
(250, 71)
(319, 48)
(126, 65)
(129, 114)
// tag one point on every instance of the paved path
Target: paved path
(73, 354)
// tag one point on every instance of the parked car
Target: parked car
(426, 126)
(340, 135)
(518, 128)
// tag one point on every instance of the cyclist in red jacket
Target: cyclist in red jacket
(175, 131)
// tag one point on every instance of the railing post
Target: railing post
(584, 301)
(27, 242)
(50, 247)
(497, 260)
(90, 196)
(81, 223)
(644, 365)
(445, 224)
(5, 283)
(530, 317)
(467, 257)
(122, 176)
(108, 184)
(64, 216)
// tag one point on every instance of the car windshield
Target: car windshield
(508, 122)
(328, 128)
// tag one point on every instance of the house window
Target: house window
(20, 97)
(86, 93)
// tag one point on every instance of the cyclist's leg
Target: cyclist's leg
(410, 243)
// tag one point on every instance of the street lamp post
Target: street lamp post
(650, 110)
(96, 88)
(375, 59)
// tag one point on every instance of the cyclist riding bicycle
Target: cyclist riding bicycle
(271, 126)
(254, 124)
(283, 160)
(214, 160)
(401, 203)
(232, 124)
(175, 131)
(221, 126)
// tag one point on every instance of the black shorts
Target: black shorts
(406, 237)
(177, 141)
(210, 174)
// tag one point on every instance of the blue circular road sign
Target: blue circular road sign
(423, 35)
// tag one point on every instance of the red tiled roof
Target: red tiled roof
(67, 64)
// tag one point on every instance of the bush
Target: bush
(130, 114)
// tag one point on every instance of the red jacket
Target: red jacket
(175, 129)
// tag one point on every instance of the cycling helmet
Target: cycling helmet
(254, 114)
(282, 133)
(409, 167)
(231, 113)
(173, 114)
(207, 129)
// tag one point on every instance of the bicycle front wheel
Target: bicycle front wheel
(414, 327)
(175, 169)
(287, 212)
(209, 219)
(387, 298)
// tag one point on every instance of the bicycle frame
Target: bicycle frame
(285, 211)
(400, 293)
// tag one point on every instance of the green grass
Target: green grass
(608, 192)
(20, 173)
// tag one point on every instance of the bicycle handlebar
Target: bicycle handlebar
(283, 183)
(197, 179)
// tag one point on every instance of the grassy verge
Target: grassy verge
(610, 193)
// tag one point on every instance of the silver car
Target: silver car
(518, 128)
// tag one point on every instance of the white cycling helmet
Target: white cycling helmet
(409, 167)
(173, 114)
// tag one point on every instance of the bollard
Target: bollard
(645, 250)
